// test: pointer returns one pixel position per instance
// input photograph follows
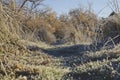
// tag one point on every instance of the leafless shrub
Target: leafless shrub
(114, 5)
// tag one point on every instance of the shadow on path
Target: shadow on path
(67, 51)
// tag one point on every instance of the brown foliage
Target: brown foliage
(44, 25)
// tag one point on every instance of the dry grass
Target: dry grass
(16, 62)
(19, 62)
(102, 65)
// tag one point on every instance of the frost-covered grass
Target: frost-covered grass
(17, 62)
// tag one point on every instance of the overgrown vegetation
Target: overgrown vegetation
(35, 44)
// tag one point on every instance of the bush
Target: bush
(45, 35)
(111, 26)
